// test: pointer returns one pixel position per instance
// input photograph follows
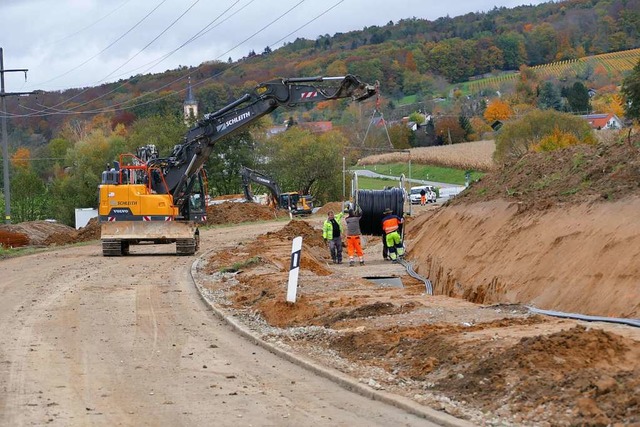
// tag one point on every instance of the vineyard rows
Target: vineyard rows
(618, 62)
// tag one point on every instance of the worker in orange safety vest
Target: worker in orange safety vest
(390, 226)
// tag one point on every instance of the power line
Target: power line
(123, 105)
(5, 143)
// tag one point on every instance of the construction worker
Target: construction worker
(423, 197)
(332, 232)
(354, 244)
(390, 226)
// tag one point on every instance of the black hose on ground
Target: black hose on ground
(373, 203)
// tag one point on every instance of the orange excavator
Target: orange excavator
(147, 199)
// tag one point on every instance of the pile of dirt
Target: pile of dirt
(89, 232)
(238, 212)
(310, 236)
(41, 233)
(332, 206)
(11, 239)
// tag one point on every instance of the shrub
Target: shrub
(519, 136)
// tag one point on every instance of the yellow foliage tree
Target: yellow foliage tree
(20, 158)
(497, 110)
(557, 140)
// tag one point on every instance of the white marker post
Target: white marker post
(294, 269)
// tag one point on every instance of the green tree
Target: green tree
(517, 137)
(513, 50)
(549, 97)
(78, 187)
(228, 156)
(631, 92)
(164, 131)
(306, 162)
(578, 98)
(29, 198)
(400, 136)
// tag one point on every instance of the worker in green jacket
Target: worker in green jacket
(332, 232)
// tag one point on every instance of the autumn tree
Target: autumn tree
(21, 158)
(448, 130)
(497, 109)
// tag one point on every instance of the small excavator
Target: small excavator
(293, 202)
(147, 199)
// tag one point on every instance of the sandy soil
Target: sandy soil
(473, 350)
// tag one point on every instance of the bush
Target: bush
(518, 137)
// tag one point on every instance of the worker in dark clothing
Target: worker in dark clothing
(354, 244)
(390, 227)
(332, 234)
(423, 197)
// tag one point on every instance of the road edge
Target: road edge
(345, 381)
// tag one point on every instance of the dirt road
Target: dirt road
(89, 340)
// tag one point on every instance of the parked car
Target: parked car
(414, 194)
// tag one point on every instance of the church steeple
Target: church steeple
(190, 106)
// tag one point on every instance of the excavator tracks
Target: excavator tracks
(114, 247)
(187, 246)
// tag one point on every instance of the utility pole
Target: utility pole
(5, 142)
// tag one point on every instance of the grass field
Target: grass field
(421, 172)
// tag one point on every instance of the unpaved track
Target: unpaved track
(88, 340)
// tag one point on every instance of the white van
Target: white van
(414, 194)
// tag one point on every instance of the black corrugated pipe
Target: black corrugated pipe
(373, 203)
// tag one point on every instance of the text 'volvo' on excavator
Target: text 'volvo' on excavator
(148, 199)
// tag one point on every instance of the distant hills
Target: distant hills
(410, 57)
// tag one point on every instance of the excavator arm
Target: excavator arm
(250, 175)
(188, 157)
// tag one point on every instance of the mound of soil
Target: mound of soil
(332, 206)
(41, 233)
(310, 236)
(89, 232)
(238, 212)
(10, 239)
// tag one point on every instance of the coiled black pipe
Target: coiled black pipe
(373, 203)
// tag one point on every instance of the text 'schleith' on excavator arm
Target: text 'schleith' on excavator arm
(188, 157)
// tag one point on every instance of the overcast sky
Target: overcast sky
(79, 43)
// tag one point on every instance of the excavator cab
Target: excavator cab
(295, 203)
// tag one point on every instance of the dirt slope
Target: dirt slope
(576, 258)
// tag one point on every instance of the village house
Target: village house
(603, 121)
